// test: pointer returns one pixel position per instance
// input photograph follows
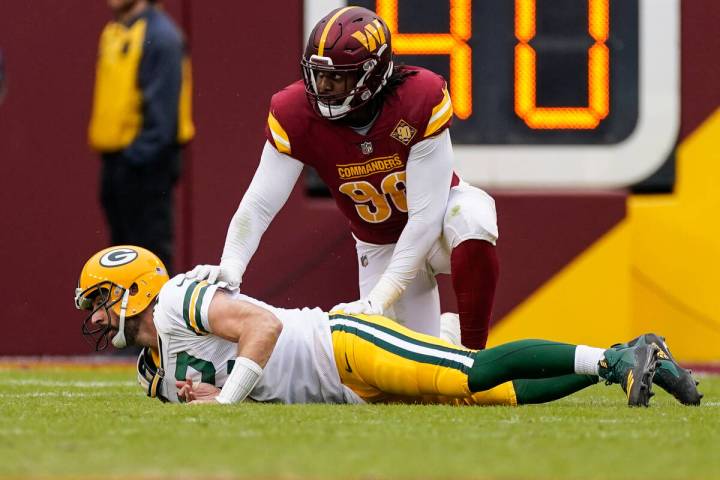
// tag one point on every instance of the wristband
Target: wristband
(385, 292)
(240, 382)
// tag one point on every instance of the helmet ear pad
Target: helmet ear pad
(349, 40)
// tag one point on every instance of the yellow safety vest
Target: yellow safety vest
(117, 102)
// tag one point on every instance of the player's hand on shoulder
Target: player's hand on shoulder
(362, 306)
(340, 307)
(204, 272)
(215, 274)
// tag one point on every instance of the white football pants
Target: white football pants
(470, 214)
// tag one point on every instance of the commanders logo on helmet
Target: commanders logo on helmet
(355, 43)
(122, 279)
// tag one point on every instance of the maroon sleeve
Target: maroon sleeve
(433, 111)
(289, 120)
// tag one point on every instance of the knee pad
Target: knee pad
(470, 214)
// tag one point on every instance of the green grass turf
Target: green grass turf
(60, 423)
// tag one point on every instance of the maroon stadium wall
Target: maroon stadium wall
(50, 212)
(242, 53)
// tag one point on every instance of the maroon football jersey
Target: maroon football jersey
(365, 173)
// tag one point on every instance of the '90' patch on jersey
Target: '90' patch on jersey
(403, 132)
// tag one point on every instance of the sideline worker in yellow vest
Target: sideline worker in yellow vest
(141, 117)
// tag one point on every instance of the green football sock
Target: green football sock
(543, 390)
(521, 359)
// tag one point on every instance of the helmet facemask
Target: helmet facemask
(111, 294)
(98, 335)
(370, 81)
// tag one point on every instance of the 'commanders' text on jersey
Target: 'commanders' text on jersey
(365, 173)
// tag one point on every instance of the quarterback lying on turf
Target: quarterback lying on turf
(238, 347)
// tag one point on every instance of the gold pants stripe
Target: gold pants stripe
(383, 361)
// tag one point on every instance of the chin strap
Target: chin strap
(119, 340)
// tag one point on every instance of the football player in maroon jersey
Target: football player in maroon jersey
(378, 136)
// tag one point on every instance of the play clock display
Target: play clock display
(527, 71)
(548, 93)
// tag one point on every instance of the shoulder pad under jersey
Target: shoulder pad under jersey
(425, 95)
(183, 306)
(289, 117)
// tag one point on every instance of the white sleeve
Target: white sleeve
(429, 175)
(270, 188)
(182, 308)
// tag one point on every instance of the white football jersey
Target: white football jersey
(301, 368)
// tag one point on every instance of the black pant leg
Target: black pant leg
(153, 212)
(139, 203)
(111, 191)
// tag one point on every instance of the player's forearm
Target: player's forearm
(255, 330)
(429, 174)
(409, 255)
(255, 345)
(269, 190)
(258, 338)
(244, 233)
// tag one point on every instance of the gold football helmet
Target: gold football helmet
(127, 278)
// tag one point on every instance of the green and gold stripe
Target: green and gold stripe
(192, 307)
(403, 345)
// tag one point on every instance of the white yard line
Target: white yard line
(52, 395)
(68, 383)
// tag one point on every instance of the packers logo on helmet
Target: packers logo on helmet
(123, 280)
(118, 257)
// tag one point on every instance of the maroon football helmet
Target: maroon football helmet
(353, 43)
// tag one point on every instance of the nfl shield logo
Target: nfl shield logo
(366, 148)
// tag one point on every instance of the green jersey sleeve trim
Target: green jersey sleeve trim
(195, 307)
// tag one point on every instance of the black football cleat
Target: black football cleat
(633, 368)
(669, 376)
